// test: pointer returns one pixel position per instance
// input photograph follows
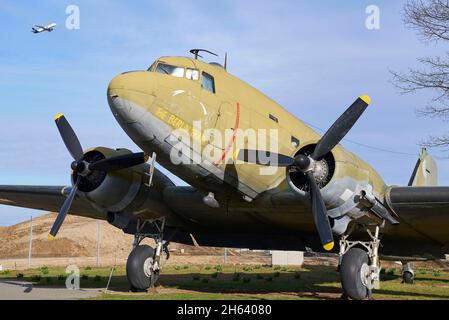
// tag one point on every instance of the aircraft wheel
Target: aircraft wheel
(354, 272)
(408, 277)
(139, 268)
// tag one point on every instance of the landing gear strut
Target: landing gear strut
(360, 266)
(144, 262)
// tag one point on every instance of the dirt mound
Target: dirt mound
(77, 238)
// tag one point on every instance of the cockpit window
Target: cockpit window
(170, 70)
(192, 74)
(208, 82)
(152, 67)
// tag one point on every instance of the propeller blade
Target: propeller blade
(320, 214)
(341, 127)
(265, 158)
(119, 163)
(64, 210)
(69, 137)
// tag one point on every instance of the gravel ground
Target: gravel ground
(20, 290)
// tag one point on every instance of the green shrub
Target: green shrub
(177, 268)
(269, 279)
(196, 278)
(390, 272)
(276, 274)
(44, 270)
(61, 277)
(259, 277)
(19, 275)
(214, 275)
(207, 268)
(185, 267)
(297, 275)
(277, 267)
(205, 280)
(85, 277)
(436, 273)
(246, 280)
(88, 268)
(219, 268)
(257, 267)
(49, 279)
(247, 269)
(36, 278)
(382, 271)
(97, 278)
(284, 269)
(236, 277)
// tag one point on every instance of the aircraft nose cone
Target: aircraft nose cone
(129, 94)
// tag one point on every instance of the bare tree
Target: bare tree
(431, 21)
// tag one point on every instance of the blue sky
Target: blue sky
(314, 58)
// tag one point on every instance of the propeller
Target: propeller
(81, 168)
(306, 164)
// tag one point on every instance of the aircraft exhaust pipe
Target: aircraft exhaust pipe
(118, 220)
(377, 207)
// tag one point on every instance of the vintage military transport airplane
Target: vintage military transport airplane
(317, 190)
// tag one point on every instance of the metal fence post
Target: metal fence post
(98, 244)
(30, 245)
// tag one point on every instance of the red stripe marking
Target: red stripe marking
(231, 144)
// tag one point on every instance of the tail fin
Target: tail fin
(425, 173)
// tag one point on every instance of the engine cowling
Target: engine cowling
(124, 192)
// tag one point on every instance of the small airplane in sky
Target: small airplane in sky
(38, 29)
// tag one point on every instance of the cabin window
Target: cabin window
(177, 72)
(273, 118)
(208, 82)
(192, 74)
(295, 142)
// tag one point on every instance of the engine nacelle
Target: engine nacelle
(125, 191)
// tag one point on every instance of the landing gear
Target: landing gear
(144, 263)
(360, 266)
(408, 275)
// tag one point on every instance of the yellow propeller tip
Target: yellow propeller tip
(59, 115)
(50, 237)
(146, 157)
(235, 154)
(366, 99)
(329, 246)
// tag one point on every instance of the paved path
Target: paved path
(21, 290)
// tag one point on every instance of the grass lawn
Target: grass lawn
(242, 282)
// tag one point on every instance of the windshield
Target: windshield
(170, 70)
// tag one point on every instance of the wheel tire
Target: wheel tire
(135, 272)
(350, 272)
(408, 277)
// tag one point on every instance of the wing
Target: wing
(424, 209)
(46, 198)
